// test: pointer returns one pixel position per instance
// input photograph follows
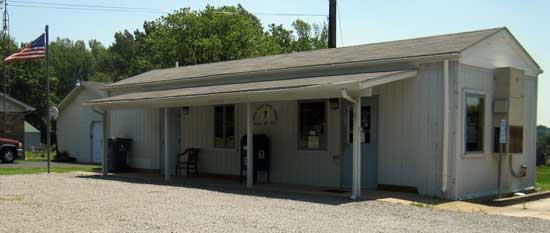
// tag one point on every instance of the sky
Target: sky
(360, 21)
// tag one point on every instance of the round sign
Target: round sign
(54, 113)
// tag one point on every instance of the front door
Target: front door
(97, 141)
(369, 145)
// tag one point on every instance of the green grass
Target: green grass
(543, 177)
(423, 205)
(38, 156)
(35, 170)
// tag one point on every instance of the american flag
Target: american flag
(33, 51)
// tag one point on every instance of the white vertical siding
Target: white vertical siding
(143, 127)
(500, 50)
(289, 165)
(410, 130)
(476, 175)
(74, 125)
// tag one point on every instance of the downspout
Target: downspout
(446, 103)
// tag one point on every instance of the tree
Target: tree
(70, 62)
(211, 35)
(543, 145)
(188, 37)
(26, 82)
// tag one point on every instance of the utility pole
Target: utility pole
(6, 37)
(332, 24)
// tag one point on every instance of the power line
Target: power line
(86, 9)
(82, 7)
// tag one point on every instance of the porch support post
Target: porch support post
(166, 169)
(249, 147)
(356, 182)
(105, 139)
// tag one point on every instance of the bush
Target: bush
(64, 156)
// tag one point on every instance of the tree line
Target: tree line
(543, 145)
(185, 36)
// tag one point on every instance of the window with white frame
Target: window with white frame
(474, 122)
(312, 125)
(224, 126)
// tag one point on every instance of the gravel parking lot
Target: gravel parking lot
(78, 202)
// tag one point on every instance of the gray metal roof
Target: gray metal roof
(95, 87)
(410, 48)
(262, 86)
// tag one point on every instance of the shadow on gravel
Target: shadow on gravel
(233, 188)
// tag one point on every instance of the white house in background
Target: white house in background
(32, 137)
(80, 128)
(420, 114)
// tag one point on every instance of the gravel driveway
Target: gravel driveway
(78, 202)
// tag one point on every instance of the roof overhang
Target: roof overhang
(69, 97)
(278, 90)
(25, 108)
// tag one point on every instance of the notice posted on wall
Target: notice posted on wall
(313, 142)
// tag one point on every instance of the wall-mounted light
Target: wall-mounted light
(185, 111)
(334, 103)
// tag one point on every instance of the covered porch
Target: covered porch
(275, 108)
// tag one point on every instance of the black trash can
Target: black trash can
(118, 154)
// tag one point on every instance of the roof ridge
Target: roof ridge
(434, 36)
(410, 47)
(496, 29)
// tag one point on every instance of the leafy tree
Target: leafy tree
(69, 61)
(189, 37)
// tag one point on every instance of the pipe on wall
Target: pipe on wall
(446, 113)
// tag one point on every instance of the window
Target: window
(224, 126)
(312, 125)
(475, 115)
(366, 130)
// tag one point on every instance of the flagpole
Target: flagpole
(48, 99)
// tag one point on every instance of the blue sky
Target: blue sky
(363, 21)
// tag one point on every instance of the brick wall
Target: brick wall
(15, 126)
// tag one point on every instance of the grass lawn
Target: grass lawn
(543, 177)
(38, 156)
(34, 170)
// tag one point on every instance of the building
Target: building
(32, 137)
(15, 112)
(79, 128)
(420, 114)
